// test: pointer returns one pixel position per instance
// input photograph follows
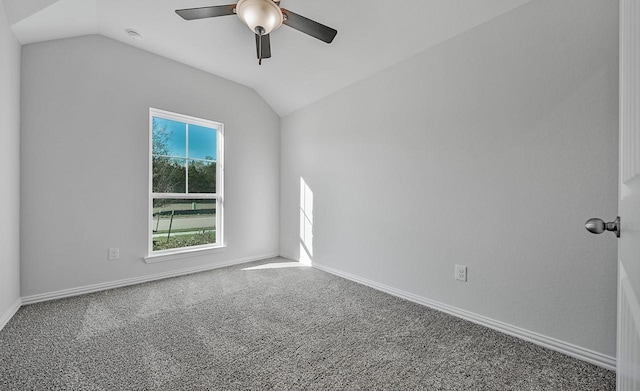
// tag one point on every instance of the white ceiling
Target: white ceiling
(372, 35)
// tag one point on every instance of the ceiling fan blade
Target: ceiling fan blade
(206, 12)
(308, 26)
(266, 46)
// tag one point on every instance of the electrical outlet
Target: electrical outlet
(461, 273)
(114, 253)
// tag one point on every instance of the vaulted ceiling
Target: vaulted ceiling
(372, 35)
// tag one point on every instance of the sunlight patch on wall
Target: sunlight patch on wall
(306, 223)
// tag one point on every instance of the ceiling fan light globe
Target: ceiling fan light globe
(260, 13)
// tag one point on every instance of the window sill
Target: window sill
(170, 256)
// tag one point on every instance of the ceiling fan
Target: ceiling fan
(262, 17)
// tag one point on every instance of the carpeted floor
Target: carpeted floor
(260, 327)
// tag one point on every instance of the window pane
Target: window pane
(169, 175)
(181, 223)
(202, 176)
(169, 138)
(202, 142)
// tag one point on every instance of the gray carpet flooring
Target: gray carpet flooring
(252, 327)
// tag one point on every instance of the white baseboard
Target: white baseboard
(8, 314)
(136, 280)
(578, 352)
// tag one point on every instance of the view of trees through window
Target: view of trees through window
(184, 164)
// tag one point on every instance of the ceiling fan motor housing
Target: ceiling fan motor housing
(261, 16)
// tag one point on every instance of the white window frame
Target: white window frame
(169, 254)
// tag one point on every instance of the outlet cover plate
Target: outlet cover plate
(114, 253)
(461, 273)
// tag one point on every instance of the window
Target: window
(185, 184)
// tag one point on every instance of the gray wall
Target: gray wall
(9, 166)
(84, 161)
(489, 150)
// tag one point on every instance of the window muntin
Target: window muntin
(185, 197)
